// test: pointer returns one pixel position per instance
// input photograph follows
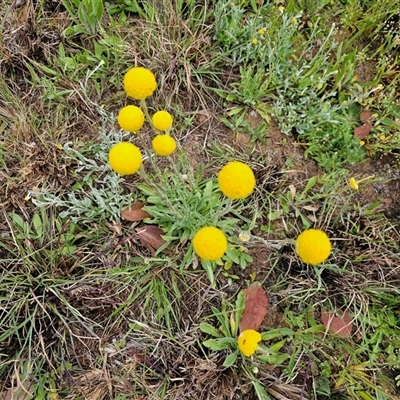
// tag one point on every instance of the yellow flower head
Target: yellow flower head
(248, 341)
(236, 180)
(162, 120)
(163, 145)
(131, 118)
(362, 143)
(382, 137)
(255, 41)
(353, 184)
(313, 246)
(210, 243)
(139, 83)
(125, 158)
(261, 32)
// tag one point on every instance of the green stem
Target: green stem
(146, 113)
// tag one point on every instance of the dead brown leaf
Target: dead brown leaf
(135, 213)
(363, 130)
(365, 115)
(255, 307)
(151, 237)
(341, 325)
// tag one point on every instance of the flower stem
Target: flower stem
(143, 104)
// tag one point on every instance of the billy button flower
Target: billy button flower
(139, 83)
(163, 145)
(248, 341)
(162, 120)
(210, 243)
(236, 180)
(313, 246)
(125, 158)
(131, 118)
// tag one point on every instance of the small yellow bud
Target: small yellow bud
(244, 236)
(362, 142)
(382, 137)
(353, 184)
(255, 41)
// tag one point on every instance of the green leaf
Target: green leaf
(239, 306)
(235, 111)
(230, 360)
(277, 346)
(18, 222)
(274, 333)
(387, 122)
(260, 391)
(311, 182)
(37, 223)
(208, 189)
(220, 344)
(208, 267)
(207, 328)
(232, 254)
(146, 190)
(273, 359)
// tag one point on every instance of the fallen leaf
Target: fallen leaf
(135, 213)
(255, 307)
(365, 115)
(363, 130)
(151, 237)
(341, 325)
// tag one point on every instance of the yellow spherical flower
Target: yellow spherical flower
(125, 158)
(210, 243)
(131, 118)
(248, 341)
(313, 246)
(139, 83)
(163, 145)
(162, 120)
(236, 180)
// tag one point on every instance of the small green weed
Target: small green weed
(86, 14)
(304, 82)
